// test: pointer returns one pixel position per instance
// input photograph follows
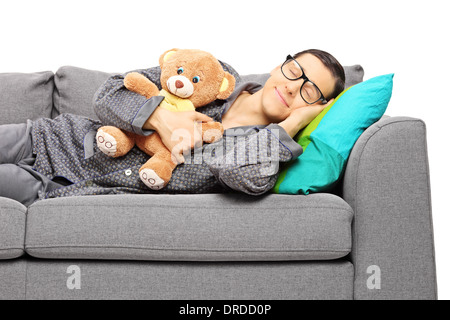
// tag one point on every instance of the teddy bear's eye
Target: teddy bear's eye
(196, 79)
(180, 70)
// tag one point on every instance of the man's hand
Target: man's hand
(301, 117)
(178, 130)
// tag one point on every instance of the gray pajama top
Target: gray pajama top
(246, 159)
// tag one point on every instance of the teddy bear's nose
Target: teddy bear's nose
(179, 84)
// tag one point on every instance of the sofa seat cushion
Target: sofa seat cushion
(12, 228)
(209, 227)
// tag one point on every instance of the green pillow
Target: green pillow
(329, 138)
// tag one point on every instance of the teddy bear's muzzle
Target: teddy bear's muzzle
(180, 86)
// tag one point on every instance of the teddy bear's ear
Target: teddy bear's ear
(227, 87)
(165, 56)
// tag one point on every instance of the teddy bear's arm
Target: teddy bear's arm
(140, 84)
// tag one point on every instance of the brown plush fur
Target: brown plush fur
(138, 83)
(214, 84)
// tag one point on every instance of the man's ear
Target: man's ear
(166, 55)
(227, 86)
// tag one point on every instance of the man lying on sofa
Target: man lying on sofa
(47, 158)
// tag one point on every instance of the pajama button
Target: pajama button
(128, 172)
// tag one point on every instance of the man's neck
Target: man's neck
(245, 111)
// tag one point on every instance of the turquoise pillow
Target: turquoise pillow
(328, 140)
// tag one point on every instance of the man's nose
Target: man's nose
(293, 87)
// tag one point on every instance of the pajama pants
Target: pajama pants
(18, 180)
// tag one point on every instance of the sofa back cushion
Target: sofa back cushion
(25, 96)
(75, 89)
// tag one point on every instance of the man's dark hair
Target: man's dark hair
(331, 64)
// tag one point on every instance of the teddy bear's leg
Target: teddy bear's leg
(157, 171)
(151, 144)
(114, 142)
(212, 131)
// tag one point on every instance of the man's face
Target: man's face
(281, 96)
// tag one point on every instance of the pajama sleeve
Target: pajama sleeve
(115, 105)
(251, 163)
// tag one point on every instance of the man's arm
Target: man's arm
(115, 105)
(250, 163)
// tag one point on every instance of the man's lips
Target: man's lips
(281, 97)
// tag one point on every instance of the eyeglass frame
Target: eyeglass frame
(305, 78)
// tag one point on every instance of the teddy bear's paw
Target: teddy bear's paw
(106, 143)
(151, 179)
(212, 135)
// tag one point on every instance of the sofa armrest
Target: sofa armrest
(386, 182)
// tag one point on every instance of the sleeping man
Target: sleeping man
(48, 158)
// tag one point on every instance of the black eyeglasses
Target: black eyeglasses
(309, 92)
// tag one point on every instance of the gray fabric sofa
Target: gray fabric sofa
(370, 238)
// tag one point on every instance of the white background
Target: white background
(408, 38)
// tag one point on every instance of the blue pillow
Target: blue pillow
(328, 140)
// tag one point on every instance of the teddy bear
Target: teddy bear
(190, 79)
